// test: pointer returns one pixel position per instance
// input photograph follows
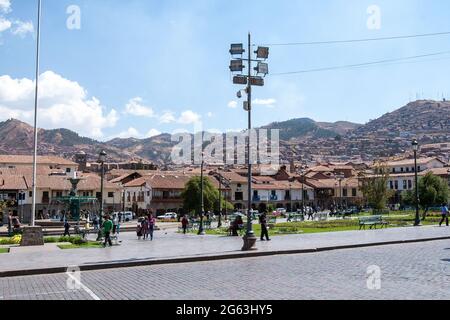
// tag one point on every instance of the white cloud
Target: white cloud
(270, 103)
(135, 107)
(189, 117)
(62, 103)
(210, 114)
(21, 28)
(232, 104)
(5, 6)
(153, 133)
(167, 117)
(4, 24)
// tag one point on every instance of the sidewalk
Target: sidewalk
(171, 247)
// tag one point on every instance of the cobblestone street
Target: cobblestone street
(408, 271)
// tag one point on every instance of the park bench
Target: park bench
(84, 232)
(321, 216)
(372, 221)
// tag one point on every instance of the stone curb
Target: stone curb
(250, 254)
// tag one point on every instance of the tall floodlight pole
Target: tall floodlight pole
(250, 234)
(237, 65)
(201, 231)
(38, 40)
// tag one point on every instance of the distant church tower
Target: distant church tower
(81, 159)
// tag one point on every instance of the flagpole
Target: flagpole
(38, 39)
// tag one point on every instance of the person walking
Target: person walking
(115, 223)
(66, 228)
(444, 212)
(264, 230)
(145, 228)
(184, 224)
(151, 226)
(139, 230)
(107, 228)
(95, 222)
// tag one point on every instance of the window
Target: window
(30, 194)
(98, 195)
(402, 170)
(396, 184)
(344, 192)
(110, 194)
(409, 184)
(68, 170)
(405, 184)
(393, 170)
(391, 185)
(354, 192)
(59, 194)
(407, 169)
(239, 185)
(239, 196)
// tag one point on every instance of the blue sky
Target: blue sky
(137, 68)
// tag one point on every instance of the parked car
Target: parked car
(127, 216)
(168, 216)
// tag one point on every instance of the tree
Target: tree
(375, 188)
(192, 196)
(433, 191)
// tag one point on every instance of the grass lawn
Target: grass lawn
(403, 219)
(4, 250)
(88, 245)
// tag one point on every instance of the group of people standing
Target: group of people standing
(146, 227)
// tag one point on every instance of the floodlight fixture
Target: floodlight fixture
(257, 81)
(237, 48)
(262, 68)
(240, 80)
(236, 66)
(262, 53)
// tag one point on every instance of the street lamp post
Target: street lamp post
(101, 161)
(201, 231)
(340, 179)
(290, 195)
(219, 225)
(237, 65)
(302, 175)
(415, 146)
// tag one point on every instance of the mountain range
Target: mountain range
(430, 119)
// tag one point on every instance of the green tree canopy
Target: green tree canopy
(192, 196)
(433, 191)
(375, 188)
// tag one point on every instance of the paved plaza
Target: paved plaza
(169, 244)
(408, 271)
